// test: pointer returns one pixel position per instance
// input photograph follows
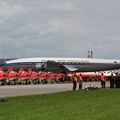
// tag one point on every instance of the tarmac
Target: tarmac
(23, 90)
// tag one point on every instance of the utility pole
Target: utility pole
(90, 54)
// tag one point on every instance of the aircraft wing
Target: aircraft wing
(57, 67)
(71, 68)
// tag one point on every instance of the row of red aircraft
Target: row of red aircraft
(26, 75)
(12, 75)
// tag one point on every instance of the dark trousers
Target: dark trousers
(80, 85)
(112, 84)
(103, 84)
(117, 82)
(74, 85)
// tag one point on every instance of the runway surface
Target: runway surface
(22, 90)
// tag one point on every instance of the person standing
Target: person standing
(80, 79)
(117, 80)
(103, 80)
(112, 80)
(75, 79)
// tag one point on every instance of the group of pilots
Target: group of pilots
(114, 80)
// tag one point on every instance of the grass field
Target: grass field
(102, 104)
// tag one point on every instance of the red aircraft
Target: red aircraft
(3, 77)
(24, 76)
(12, 76)
(34, 76)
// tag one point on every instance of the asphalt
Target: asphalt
(23, 90)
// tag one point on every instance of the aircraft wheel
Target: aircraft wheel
(34, 82)
(14, 83)
(38, 82)
(29, 82)
(8, 83)
(0, 82)
(25, 82)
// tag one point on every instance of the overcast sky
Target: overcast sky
(60, 28)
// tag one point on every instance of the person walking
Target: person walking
(103, 80)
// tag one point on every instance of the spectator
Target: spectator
(80, 79)
(74, 79)
(112, 80)
(103, 80)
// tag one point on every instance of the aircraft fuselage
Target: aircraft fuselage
(64, 64)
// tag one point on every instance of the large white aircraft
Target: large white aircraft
(64, 64)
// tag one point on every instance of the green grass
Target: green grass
(102, 104)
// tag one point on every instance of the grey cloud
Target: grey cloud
(60, 28)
